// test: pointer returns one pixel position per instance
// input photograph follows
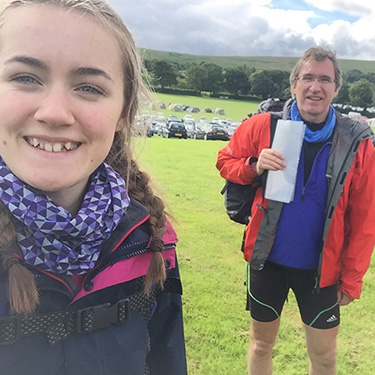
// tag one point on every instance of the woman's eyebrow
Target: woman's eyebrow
(91, 71)
(36, 63)
(27, 60)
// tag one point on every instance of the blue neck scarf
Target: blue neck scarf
(321, 135)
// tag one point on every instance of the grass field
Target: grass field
(212, 271)
(234, 109)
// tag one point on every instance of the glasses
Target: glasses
(309, 78)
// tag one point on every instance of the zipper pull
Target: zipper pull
(303, 195)
(261, 207)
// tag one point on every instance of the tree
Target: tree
(205, 77)
(287, 93)
(353, 75)
(194, 76)
(262, 84)
(163, 73)
(343, 95)
(360, 93)
(215, 77)
(236, 81)
(280, 79)
(370, 77)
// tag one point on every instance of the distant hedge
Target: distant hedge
(174, 91)
(177, 91)
(236, 97)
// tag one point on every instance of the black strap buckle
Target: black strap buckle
(9, 330)
(101, 316)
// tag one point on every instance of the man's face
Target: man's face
(315, 89)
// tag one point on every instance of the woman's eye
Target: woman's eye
(90, 89)
(25, 80)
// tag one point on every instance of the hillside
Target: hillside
(258, 62)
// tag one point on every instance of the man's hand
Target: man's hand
(269, 159)
(343, 299)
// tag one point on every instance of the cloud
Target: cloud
(249, 27)
(351, 40)
(357, 7)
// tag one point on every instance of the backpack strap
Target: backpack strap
(275, 116)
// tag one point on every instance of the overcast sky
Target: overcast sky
(252, 27)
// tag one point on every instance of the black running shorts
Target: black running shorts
(268, 289)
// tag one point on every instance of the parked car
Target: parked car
(159, 118)
(189, 118)
(189, 125)
(230, 130)
(174, 129)
(157, 126)
(198, 132)
(216, 132)
(173, 118)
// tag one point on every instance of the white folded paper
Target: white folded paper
(288, 141)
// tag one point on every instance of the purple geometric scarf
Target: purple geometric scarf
(52, 240)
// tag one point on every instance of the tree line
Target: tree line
(358, 89)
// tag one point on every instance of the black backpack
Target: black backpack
(271, 105)
(238, 199)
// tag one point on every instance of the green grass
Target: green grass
(213, 272)
(234, 109)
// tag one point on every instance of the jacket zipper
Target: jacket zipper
(124, 257)
(51, 288)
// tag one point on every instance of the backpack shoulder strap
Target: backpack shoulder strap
(275, 116)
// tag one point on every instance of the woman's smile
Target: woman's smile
(52, 146)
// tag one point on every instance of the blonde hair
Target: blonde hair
(22, 288)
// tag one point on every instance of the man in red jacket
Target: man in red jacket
(320, 244)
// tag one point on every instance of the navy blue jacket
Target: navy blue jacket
(140, 345)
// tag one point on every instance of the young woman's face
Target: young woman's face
(61, 98)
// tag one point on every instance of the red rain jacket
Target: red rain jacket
(349, 234)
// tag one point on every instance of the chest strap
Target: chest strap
(59, 325)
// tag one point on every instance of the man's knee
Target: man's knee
(261, 348)
(325, 358)
(263, 337)
(321, 345)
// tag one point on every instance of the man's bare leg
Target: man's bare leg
(263, 337)
(321, 347)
